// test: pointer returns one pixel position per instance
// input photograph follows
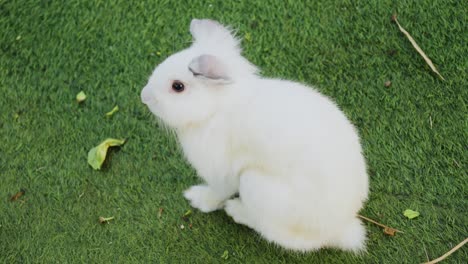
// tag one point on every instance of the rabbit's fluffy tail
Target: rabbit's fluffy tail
(353, 237)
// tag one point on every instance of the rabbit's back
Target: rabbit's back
(292, 130)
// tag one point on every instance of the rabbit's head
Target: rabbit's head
(190, 86)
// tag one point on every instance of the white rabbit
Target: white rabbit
(290, 153)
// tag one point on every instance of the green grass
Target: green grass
(414, 133)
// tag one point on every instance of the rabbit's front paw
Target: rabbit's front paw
(203, 198)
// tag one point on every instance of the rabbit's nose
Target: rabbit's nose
(146, 96)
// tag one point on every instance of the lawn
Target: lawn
(414, 133)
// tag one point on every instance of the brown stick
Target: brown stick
(379, 224)
(425, 251)
(448, 253)
(416, 46)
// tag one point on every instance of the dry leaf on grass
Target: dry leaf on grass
(17, 195)
(160, 211)
(104, 220)
(416, 46)
(389, 231)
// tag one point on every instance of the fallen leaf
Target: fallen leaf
(185, 217)
(188, 213)
(410, 214)
(160, 211)
(389, 231)
(113, 111)
(392, 52)
(247, 37)
(80, 97)
(416, 46)
(104, 220)
(18, 195)
(225, 254)
(388, 83)
(97, 155)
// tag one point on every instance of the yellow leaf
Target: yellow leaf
(80, 97)
(248, 37)
(225, 255)
(115, 109)
(104, 220)
(97, 155)
(188, 213)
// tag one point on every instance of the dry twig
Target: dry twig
(416, 46)
(448, 253)
(425, 251)
(387, 230)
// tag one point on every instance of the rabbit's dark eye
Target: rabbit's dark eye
(178, 86)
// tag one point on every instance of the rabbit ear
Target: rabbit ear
(207, 30)
(209, 67)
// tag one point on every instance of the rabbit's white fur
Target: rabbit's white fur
(290, 153)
